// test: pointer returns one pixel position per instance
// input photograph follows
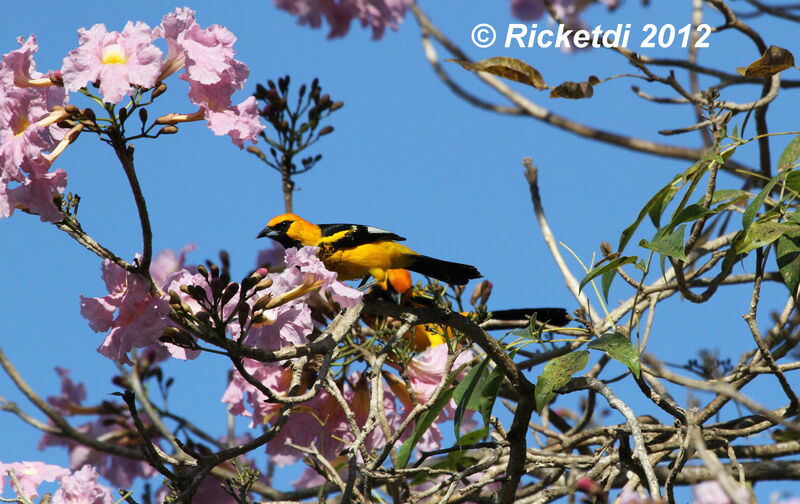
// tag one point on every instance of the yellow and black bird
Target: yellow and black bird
(355, 251)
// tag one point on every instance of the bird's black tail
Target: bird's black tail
(446, 271)
(553, 316)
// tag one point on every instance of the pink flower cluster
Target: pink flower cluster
(133, 315)
(321, 422)
(377, 14)
(26, 136)
(112, 422)
(79, 487)
(213, 74)
(122, 61)
(31, 103)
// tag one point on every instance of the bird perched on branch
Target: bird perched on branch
(355, 251)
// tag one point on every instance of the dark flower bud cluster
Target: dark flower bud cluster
(296, 122)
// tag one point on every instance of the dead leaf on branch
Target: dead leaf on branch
(775, 59)
(508, 68)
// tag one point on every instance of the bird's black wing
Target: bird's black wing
(352, 235)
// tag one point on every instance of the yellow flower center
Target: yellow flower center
(21, 126)
(114, 55)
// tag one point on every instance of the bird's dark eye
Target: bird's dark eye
(282, 226)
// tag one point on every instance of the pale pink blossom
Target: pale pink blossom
(172, 28)
(425, 371)
(120, 471)
(82, 487)
(36, 192)
(272, 258)
(305, 261)
(290, 323)
(118, 60)
(72, 394)
(710, 492)
(213, 74)
(242, 122)
(377, 14)
(240, 394)
(20, 69)
(133, 315)
(30, 475)
(22, 140)
(628, 496)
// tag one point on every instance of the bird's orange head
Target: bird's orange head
(291, 230)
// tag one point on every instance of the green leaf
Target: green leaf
(726, 194)
(657, 209)
(656, 201)
(556, 374)
(463, 394)
(473, 437)
(793, 181)
(611, 265)
(421, 426)
(605, 282)
(752, 209)
(787, 255)
(760, 234)
(488, 397)
(508, 68)
(670, 244)
(790, 155)
(691, 213)
(619, 348)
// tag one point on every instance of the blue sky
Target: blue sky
(407, 156)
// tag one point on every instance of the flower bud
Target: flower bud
(203, 271)
(229, 292)
(174, 298)
(261, 303)
(88, 114)
(587, 486)
(326, 130)
(244, 311)
(177, 337)
(203, 316)
(168, 130)
(56, 77)
(158, 90)
(481, 293)
(259, 320)
(254, 150)
(72, 110)
(336, 106)
(264, 284)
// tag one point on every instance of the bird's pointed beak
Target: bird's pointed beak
(267, 232)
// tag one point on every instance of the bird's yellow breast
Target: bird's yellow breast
(368, 259)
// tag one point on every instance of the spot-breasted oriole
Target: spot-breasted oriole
(355, 251)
